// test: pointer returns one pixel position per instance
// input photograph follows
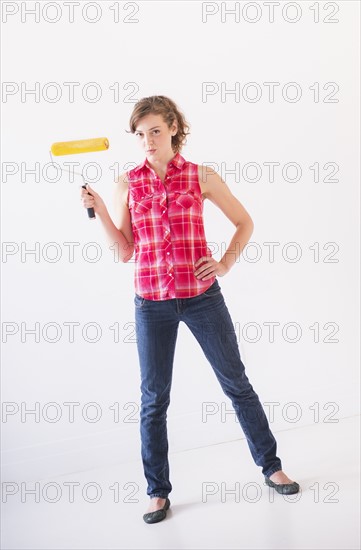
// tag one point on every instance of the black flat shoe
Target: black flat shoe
(158, 515)
(283, 488)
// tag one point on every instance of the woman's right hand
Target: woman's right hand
(93, 200)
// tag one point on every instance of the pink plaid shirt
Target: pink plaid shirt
(169, 236)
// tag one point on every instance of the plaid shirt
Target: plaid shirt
(167, 223)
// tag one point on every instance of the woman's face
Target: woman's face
(155, 137)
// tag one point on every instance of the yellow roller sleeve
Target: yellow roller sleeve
(79, 146)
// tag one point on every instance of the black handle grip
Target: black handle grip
(91, 213)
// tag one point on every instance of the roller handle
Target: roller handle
(91, 213)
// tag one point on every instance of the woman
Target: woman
(159, 208)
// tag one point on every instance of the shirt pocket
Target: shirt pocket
(143, 200)
(185, 198)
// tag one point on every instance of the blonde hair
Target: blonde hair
(162, 105)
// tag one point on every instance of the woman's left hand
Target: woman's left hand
(209, 268)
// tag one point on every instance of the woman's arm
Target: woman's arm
(121, 232)
(218, 192)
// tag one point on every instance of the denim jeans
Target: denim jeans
(208, 318)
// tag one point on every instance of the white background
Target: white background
(171, 52)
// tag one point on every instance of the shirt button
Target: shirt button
(168, 253)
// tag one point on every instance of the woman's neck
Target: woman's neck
(160, 165)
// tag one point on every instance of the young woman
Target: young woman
(159, 207)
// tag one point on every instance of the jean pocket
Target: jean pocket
(213, 290)
(138, 301)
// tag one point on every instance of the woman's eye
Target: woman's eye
(141, 135)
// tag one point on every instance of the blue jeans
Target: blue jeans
(208, 318)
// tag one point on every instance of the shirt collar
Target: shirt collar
(177, 161)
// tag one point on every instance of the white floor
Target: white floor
(323, 458)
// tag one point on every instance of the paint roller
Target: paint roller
(79, 146)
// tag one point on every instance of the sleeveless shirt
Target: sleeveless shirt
(168, 229)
